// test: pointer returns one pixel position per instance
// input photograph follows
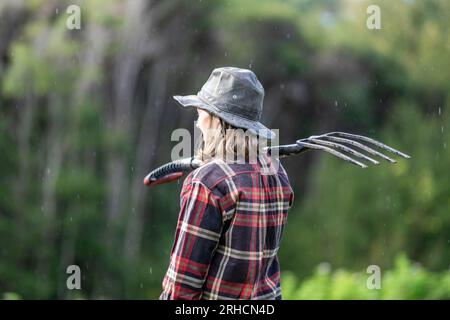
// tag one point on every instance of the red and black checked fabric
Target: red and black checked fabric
(229, 231)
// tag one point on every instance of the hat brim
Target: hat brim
(255, 127)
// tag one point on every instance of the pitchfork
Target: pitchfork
(329, 142)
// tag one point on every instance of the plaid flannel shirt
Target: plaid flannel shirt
(229, 231)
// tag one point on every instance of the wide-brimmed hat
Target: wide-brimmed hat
(234, 95)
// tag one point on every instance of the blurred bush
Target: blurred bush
(406, 280)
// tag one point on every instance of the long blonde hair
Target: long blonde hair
(229, 143)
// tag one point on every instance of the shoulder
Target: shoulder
(212, 173)
(220, 179)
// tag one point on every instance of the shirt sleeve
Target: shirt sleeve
(196, 238)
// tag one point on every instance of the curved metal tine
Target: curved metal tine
(344, 148)
(375, 142)
(361, 146)
(332, 151)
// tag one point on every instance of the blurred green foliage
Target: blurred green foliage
(405, 280)
(370, 215)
